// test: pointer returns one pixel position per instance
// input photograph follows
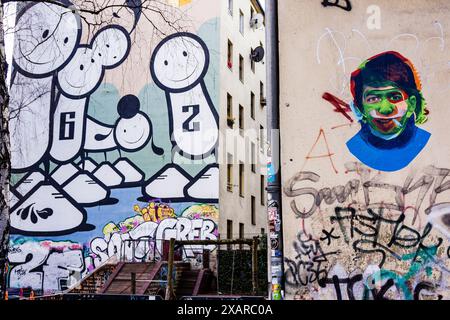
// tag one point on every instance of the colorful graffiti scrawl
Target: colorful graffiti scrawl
(388, 102)
(365, 199)
(81, 183)
(50, 265)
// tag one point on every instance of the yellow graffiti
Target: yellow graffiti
(155, 212)
(178, 3)
(110, 228)
(202, 211)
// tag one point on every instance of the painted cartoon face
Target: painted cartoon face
(84, 72)
(179, 62)
(111, 46)
(133, 133)
(387, 109)
(46, 35)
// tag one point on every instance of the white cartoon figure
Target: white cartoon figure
(46, 37)
(76, 133)
(178, 66)
(53, 79)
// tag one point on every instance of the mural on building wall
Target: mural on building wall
(81, 185)
(389, 104)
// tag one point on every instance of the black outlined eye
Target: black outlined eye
(66, 39)
(45, 34)
(166, 62)
(185, 53)
(92, 60)
(81, 67)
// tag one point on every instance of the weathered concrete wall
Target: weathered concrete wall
(102, 119)
(365, 178)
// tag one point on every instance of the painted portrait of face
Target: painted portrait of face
(387, 109)
(389, 105)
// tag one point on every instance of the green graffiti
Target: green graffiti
(420, 261)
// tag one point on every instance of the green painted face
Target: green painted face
(387, 109)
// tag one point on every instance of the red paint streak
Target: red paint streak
(339, 105)
(328, 155)
(303, 228)
(342, 125)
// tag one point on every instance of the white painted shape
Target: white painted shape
(69, 115)
(12, 199)
(29, 183)
(9, 20)
(29, 120)
(59, 266)
(128, 171)
(169, 184)
(112, 44)
(26, 257)
(45, 37)
(131, 134)
(93, 129)
(84, 189)
(108, 175)
(64, 216)
(197, 142)
(88, 165)
(64, 173)
(81, 74)
(179, 62)
(207, 186)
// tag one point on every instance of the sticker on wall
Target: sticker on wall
(389, 105)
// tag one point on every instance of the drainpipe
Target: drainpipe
(274, 172)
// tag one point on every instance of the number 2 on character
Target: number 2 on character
(189, 125)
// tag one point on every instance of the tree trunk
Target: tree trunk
(5, 161)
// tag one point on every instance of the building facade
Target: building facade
(242, 121)
(116, 124)
(364, 163)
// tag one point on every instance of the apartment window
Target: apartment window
(230, 55)
(252, 62)
(230, 119)
(252, 105)
(261, 138)
(229, 231)
(262, 187)
(241, 233)
(230, 7)
(253, 157)
(261, 93)
(241, 119)
(253, 210)
(229, 172)
(241, 68)
(241, 179)
(241, 22)
(263, 231)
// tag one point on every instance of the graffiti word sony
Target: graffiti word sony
(180, 229)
